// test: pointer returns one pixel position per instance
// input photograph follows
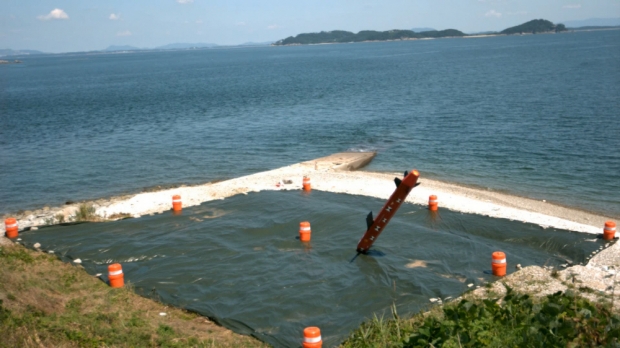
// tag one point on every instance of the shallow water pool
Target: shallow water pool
(239, 261)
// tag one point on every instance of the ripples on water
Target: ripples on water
(532, 115)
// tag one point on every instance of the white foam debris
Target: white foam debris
(37, 245)
(77, 261)
(470, 285)
(34, 228)
(433, 300)
(51, 252)
(162, 314)
(98, 275)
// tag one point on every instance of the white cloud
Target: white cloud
(493, 13)
(273, 26)
(572, 6)
(115, 17)
(183, 2)
(124, 33)
(54, 14)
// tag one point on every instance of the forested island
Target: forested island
(535, 26)
(341, 36)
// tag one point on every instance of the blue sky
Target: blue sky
(82, 25)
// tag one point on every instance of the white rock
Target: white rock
(18, 239)
(77, 261)
(470, 285)
(604, 268)
(51, 251)
(518, 266)
(432, 300)
(162, 314)
(34, 228)
(98, 275)
(37, 245)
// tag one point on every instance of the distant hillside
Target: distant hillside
(266, 43)
(593, 22)
(180, 46)
(121, 48)
(533, 27)
(9, 52)
(419, 30)
(341, 36)
(594, 27)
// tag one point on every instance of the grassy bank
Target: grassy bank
(563, 319)
(47, 303)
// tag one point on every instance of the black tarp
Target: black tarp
(239, 261)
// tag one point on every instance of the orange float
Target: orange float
(498, 263)
(11, 228)
(376, 226)
(306, 184)
(432, 203)
(304, 231)
(609, 232)
(312, 337)
(115, 275)
(177, 204)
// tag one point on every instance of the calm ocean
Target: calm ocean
(534, 115)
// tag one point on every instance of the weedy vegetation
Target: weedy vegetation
(563, 319)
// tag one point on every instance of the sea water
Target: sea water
(533, 115)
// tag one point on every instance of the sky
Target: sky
(84, 25)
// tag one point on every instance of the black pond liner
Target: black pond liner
(239, 261)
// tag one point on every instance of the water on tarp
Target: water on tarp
(239, 261)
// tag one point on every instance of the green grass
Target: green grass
(47, 303)
(515, 320)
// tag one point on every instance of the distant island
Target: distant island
(341, 36)
(536, 26)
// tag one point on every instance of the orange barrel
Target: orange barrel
(307, 186)
(312, 337)
(115, 274)
(10, 225)
(498, 263)
(304, 231)
(609, 232)
(432, 203)
(176, 203)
